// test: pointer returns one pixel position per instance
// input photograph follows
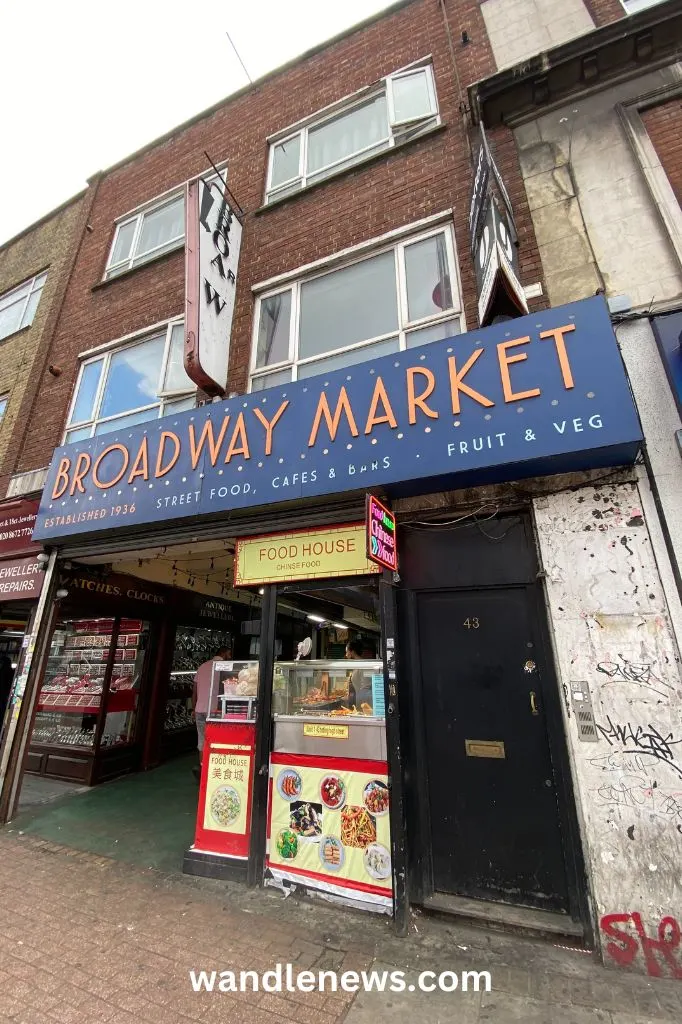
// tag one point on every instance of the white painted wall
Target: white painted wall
(518, 29)
(594, 216)
(612, 633)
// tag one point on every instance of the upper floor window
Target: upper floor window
(404, 104)
(145, 235)
(632, 6)
(138, 381)
(18, 307)
(4, 399)
(399, 297)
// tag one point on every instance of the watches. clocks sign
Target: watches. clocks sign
(213, 240)
(540, 394)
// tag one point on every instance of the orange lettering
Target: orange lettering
(206, 435)
(161, 470)
(62, 479)
(342, 405)
(457, 383)
(83, 463)
(239, 433)
(270, 425)
(95, 472)
(505, 362)
(419, 400)
(141, 464)
(558, 334)
(387, 416)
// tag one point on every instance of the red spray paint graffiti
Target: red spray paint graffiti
(625, 946)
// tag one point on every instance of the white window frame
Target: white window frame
(397, 132)
(32, 284)
(137, 215)
(4, 402)
(405, 325)
(135, 260)
(165, 397)
(635, 6)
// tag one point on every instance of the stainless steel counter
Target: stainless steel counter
(349, 736)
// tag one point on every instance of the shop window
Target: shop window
(139, 381)
(397, 298)
(403, 105)
(18, 307)
(147, 234)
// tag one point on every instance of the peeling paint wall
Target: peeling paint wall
(614, 643)
(595, 220)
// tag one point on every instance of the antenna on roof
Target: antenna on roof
(238, 57)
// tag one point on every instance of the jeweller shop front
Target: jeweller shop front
(387, 737)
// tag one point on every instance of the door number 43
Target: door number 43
(472, 622)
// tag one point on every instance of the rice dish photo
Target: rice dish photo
(225, 805)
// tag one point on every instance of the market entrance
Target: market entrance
(491, 810)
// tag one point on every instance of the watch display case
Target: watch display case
(193, 646)
(89, 697)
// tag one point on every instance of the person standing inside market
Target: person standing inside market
(359, 685)
(200, 697)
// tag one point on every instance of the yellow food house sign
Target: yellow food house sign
(303, 555)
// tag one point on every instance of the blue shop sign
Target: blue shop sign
(540, 394)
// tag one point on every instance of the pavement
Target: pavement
(85, 938)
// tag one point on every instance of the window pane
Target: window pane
(428, 281)
(350, 132)
(271, 380)
(356, 355)
(131, 420)
(349, 305)
(10, 318)
(181, 405)
(412, 96)
(285, 158)
(162, 226)
(83, 408)
(124, 240)
(16, 295)
(437, 332)
(273, 329)
(175, 378)
(78, 434)
(31, 307)
(3, 407)
(133, 377)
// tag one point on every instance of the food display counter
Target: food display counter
(223, 826)
(328, 816)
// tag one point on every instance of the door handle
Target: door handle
(534, 710)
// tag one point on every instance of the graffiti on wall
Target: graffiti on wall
(627, 937)
(643, 740)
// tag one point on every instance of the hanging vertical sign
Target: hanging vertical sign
(496, 266)
(213, 236)
(381, 534)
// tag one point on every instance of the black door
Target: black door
(493, 809)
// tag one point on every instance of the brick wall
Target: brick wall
(423, 178)
(605, 11)
(664, 125)
(46, 246)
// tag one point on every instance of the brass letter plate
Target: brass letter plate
(484, 748)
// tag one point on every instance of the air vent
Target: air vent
(584, 715)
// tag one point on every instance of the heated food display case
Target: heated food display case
(86, 719)
(223, 825)
(328, 815)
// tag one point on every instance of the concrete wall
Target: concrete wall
(613, 637)
(595, 219)
(518, 29)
